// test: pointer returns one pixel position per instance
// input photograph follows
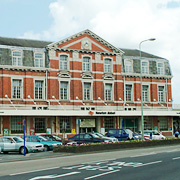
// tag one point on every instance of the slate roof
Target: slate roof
(23, 42)
(135, 53)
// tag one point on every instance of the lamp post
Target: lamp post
(142, 117)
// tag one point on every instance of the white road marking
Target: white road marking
(155, 162)
(144, 154)
(97, 162)
(33, 171)
(91, 177)
(176, 158)
(71, 167)
(173, 150)
(54, 176)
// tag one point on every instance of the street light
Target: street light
(142, 118)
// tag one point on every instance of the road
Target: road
(159, 163)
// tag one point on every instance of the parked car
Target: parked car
(110, 139)
(155, 134)
(16, 144)
(120, 134)
(48, 145)
(87, 138)
(53, 137)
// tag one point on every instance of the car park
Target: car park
(53, 137)
(16, 144)
(87, 138)
(120, 134)
(48, 145)
(110, 139)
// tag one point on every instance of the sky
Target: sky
(123, 23)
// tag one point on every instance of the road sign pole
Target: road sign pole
(79, 122)
(24, 137)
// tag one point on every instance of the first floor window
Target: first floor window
(108, 123)
(145, 92)
(65, 124)
(107, 66)
(63, 62)
(40, 125)
(128, 92)
(38, 89)
(163, 124)
(16, 124)
(16, 88)
(108, 92)
(87, 91)
(64, 90)
(161, 94)
(86, 64)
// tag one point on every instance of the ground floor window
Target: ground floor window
(40, 125)
(65, 124)
(108, 123)
(16, 124)
(148, 123)
(163, 124)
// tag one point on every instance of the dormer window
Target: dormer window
(144, 67)
(17, 58)
(63, 62)
(38, 59)
(128, 66)
(86, 64)
(108, 65)
(160, 68)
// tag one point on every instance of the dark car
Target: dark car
(53, 137)
(120, 134)
(87, 138)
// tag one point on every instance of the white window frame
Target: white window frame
(164, 97)
(111, 65)
(43, 89)
(21, 88)
(91, 90)
(147, 67)
(17, 63)
(64, 54)
(128, 69)
(132, 92)
(68, 90)
(112, 93)
(39, 59)
(90, 63)
(161, 72)
(16, 126)
(148, 93)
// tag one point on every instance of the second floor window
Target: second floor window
(38, 89)
(63, 62)
(128, 66)
(144, 67)
(16, 88)
(87, 91)
(161, 94)
(63, 90)
(160, 68)
(38, 60)
(107, 66)
(86, 64)
(108, 92)
(128, 92)
(145, 92)
(17, 58)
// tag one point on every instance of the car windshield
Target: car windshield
(18, 139)
(100, 135)
(57, 137)
(94, 136)
(42, 138)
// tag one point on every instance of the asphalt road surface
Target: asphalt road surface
(160, 163)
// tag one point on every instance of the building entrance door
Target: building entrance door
(87, 129)
(87, 125)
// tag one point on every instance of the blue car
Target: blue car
(48, 145)
(120, 134)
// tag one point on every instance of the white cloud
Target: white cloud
(122, 23)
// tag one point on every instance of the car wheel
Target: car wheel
(21, 150)
(46, 148)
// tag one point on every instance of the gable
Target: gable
(86, 40)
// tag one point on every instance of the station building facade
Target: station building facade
(51, 85)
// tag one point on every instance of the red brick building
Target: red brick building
(53, 84)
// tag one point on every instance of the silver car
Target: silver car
(16, 144)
